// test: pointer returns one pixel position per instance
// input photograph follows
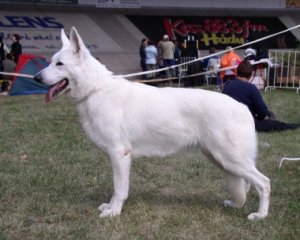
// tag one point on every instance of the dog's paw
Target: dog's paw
(108, 213)
(229, 203)
(104, 206)
(256, 216)
(107, 210)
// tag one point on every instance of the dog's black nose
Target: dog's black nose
(38, 78)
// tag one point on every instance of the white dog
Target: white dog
(128, 120)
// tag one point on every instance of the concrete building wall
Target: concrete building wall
(270, 4)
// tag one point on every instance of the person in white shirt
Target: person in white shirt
(151, 58)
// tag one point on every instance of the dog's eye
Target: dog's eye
(59, 64)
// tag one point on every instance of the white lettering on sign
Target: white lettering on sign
(40, 32)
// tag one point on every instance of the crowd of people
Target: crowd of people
(153, 56)
(167, 53)
(8, 58)
(233, 80)
(164, 54)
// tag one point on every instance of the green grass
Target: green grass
(52, 180)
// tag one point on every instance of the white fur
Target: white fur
(128, 120)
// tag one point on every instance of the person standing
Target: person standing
(167, 51)
(250, 53)
(151, 58)
(3, 51)
(143, 55)
(16, 48)
(2, 54)
(229, 59)
(212, 65)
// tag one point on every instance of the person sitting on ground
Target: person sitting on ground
(241, 90)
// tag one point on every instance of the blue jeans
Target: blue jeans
(168, 63)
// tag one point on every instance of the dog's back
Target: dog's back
(161, 121)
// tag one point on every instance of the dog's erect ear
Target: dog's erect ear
(76, 42)
(64, 39)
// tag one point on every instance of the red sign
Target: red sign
(217, 32)
(209, 26)
(214, 31)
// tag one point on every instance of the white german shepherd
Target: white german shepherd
(128, 120)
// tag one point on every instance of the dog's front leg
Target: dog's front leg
(121, 162)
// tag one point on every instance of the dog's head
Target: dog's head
(66, 67)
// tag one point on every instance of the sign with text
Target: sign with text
(40, 32)
(118, 3)
(217, 32)
(42, 1)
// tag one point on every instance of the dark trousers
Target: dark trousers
(3, 86)
(268, 125)
(169, 63)
(144, 67)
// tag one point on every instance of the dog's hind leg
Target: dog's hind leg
(261, 184)
(240, 170)
(237, 188)
(121, 162)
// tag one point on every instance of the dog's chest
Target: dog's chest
(93, 125)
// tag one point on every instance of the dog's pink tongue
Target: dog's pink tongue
(50, 93)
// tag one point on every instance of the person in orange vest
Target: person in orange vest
(229, 59)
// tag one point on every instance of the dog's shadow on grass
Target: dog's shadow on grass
(191, 199)
(207, 200)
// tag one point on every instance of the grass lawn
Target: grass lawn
(52, 180)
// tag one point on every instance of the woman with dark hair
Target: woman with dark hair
(3, 51)
(2, 54)
(16, 48)
(143, 45)
(241, 90)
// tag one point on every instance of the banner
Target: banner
(41, 1)
(118, 3)
(40, 32)
(217, 32)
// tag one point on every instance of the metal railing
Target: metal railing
(285, 72)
